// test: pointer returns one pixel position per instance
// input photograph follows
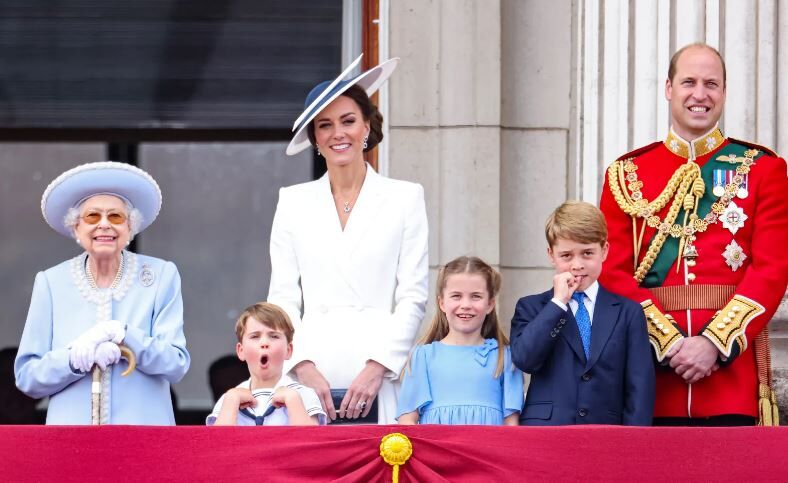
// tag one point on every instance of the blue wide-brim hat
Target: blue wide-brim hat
(125, 181)
(324, 93)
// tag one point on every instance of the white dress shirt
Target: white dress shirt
(589, 300)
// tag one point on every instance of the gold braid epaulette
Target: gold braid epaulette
(677, 187)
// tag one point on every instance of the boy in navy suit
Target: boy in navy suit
(586, 349)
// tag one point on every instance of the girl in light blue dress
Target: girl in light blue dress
(461, 371)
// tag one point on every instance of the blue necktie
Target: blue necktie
(583, 321)
(258, 420)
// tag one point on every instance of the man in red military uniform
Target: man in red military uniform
(698, 233)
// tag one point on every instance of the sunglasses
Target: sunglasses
(94, 217)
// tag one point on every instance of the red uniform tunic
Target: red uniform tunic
(763, 239)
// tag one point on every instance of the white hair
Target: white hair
(134, 218)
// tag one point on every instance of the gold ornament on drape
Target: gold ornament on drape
(395, 449)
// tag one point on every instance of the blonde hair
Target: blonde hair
(267, 314)
(577, 221)
(491, 329)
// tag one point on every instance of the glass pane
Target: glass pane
(215, 224)
(27, 244)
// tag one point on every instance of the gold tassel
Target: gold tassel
(768, 412)
(775, 410)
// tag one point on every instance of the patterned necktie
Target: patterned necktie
(583, 321)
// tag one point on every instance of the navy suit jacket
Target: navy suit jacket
(614, 386)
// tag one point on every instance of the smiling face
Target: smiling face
(582, 260)
(95, 229)
(696, 93)
(340, 130)
(466, 301)
(264, 349)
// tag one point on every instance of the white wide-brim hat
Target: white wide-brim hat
(125, 181)
(324, 93)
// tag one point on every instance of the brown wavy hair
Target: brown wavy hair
(491, 329)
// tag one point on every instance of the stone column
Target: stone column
(536, 107)
(444, 120)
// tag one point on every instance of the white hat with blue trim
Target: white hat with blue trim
(324, 93)
(125, 181)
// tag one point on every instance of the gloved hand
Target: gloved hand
(107, 353)
(115, 329)
(83, 349)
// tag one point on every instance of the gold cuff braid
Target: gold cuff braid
(729, 324)
(662, 330)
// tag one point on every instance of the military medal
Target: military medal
(742, 192)
(719, 177)
(147, 276)
(734, 255)
(733, 217)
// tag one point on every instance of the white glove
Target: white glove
(115, 329)
(83, 349)
(107, 353)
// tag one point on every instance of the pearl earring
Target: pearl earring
(317, 148)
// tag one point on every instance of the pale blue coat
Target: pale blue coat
(59, 313)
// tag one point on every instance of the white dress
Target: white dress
(364, 288)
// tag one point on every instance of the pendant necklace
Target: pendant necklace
(346, 209)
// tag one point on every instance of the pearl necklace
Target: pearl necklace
(115, 282)
(82, 278)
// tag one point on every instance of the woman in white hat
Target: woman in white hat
(84, 310)
(353, 246)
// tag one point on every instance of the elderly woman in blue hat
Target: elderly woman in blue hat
(84, 311)
(353, 247)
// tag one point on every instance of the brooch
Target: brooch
(147, 276)
(733, 217)
(734, 255)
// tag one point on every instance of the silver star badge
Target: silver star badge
(733, 217)
(734, 255)
(674, 145)
(710, 142)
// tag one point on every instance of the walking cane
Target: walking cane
(95, 391)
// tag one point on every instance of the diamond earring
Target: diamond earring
(365, 141)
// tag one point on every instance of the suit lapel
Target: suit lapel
(365, 212)
(605, 318)
(571, 334)
(328, 230)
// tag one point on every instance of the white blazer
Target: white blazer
(363, 289)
